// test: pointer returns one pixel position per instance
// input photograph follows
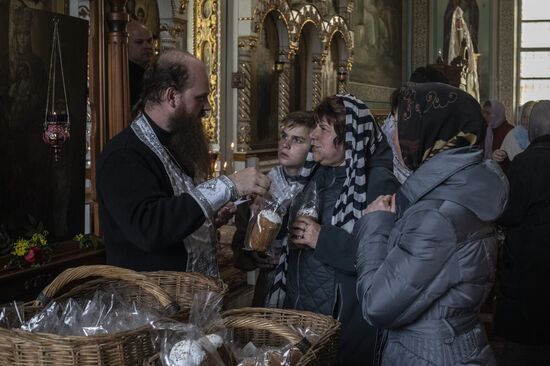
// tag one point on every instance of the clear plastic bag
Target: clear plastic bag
(267, 217)
(305, 204)
(263, 227)
(187, 344)
(101, 313)
(250, 355)
(11, 315)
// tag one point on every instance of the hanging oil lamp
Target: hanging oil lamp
(56, 121)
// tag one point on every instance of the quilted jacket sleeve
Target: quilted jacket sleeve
(400, 274)
(336, 248)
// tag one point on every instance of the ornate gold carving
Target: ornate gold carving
(421, 9)
(264, 7)
(334, 25)
(206, 47)
(182, 7)
(317, 79)
(284, 92)
(176, 31)
(309, 13)
(248, 42)
(506, 87)
(243, 103)
(342, 79)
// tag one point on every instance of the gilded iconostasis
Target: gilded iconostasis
(264, 58)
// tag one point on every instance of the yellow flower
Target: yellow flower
(39, 238)
(78, 237)
(20, 247)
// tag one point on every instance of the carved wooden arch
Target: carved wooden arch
(308, 14)
(344, 59)
(265, 7)
(337, 24)
(284, 55)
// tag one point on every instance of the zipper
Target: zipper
(298, 278)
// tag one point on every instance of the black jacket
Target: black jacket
(522, 313)
(142, 222)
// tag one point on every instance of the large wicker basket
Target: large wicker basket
(276, 327)
(133, 347)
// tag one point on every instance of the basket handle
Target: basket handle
(283, 331)
(170, 307)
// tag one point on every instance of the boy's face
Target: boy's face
(294, 145)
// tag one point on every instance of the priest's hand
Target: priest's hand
(224, 214)
(250, 181)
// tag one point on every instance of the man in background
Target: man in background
(140, 54)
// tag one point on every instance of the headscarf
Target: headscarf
(521, 133)
(434, 117)
(539, 120)
(498, 117)
(362, 135)
(400, 171)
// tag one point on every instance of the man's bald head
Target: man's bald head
(175, 69)
(140, 43)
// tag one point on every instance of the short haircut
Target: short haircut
(169, 71)
(299, 119)
(428, 74)
(334, 110)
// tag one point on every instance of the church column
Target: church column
(242, 80)
(118, 95)
(316, 79)
(282, 66)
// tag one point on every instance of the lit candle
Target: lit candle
(224, 167)
(232, 146)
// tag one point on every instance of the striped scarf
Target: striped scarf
(277, 292)
(362, 135)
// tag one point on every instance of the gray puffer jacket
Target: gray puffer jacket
(425, 271)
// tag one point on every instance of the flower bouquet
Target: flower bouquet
(31, 251)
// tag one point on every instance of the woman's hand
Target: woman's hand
(224, 214)
(382, 203)
(499, 155)
(305, 231)
(265, 261)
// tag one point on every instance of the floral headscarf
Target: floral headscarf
(434, 117)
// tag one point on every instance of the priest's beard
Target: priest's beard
(189, 145)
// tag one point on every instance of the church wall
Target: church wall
(497, 44)
(486, 44)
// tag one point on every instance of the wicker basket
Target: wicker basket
(276, 327)
(21, 348)
(180, 286)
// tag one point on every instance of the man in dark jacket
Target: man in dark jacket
(140, 54)
(152, 213)
(522, 315)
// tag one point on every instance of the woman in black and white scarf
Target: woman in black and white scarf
(355, 167)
